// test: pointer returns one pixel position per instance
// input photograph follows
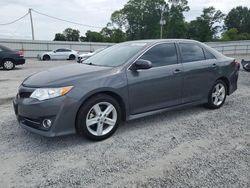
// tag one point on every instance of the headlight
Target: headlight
(48, 93)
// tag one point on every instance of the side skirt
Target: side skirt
(136, 116)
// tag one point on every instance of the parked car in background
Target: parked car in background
(59, 54)
(123, 82)
(245, 65)
(85, 56)
(10, 58)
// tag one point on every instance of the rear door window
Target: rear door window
(191, 52)
(161, 55)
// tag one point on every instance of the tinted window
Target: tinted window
(191, 52)
(161, 55)
(62, 50)
(209, 55)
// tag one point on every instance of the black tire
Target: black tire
(46, 58)
(81, 127)
(211, 104)
(8, 64)
(72, 57)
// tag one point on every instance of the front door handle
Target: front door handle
(177, 71)
(214, 65)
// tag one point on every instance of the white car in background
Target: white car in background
(59, 54)
(83, 57)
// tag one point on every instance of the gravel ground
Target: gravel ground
(192, 147)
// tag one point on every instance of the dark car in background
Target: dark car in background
(123, 82)
(10, 58)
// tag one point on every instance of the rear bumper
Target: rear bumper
(233, 82)
(19, 61)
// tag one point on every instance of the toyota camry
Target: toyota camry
(126, 81)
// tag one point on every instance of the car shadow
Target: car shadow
(16, 68)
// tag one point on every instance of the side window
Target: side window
(60, 50)
(209, 55)
(191, 52)
(161, 55)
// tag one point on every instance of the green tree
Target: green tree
(238, 18)
(140, 18)
(199, 30)
(176, 26)
(113, 35)
(71, 34)
(68, 34)
(59, 37)
(207, 26)
(233, 34)
(92, 36)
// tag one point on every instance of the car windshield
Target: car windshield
(116, 55)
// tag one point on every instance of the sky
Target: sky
(89, 12)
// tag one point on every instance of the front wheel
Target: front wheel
(8, 65)
(46, 58)
(72, 57)
(217, 95)
(98, 118)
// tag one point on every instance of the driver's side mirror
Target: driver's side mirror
(141, 64)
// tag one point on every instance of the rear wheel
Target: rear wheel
(217, 95)
(46, 57)
(8, 65)
(98, 118)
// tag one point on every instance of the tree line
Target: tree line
(140, 19)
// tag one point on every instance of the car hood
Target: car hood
(59, 76)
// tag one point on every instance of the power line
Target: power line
(15, 20)
(84, 25)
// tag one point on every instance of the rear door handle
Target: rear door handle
(214, 65)
(177, 71)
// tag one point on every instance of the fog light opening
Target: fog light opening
(47, 123)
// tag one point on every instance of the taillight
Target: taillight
(236, 64)
(21, 53)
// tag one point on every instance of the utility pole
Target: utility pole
(162, 21)
(32, 26)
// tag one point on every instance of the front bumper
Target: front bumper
(61, 111)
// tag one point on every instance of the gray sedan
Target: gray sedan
(126, 81)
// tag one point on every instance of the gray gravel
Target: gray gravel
(192, 147)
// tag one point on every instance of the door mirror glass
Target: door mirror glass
(141, 64)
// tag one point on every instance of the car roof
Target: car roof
(153, 41)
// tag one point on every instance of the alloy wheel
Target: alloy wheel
(101, 119)
(219, 94)
(8, 65)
